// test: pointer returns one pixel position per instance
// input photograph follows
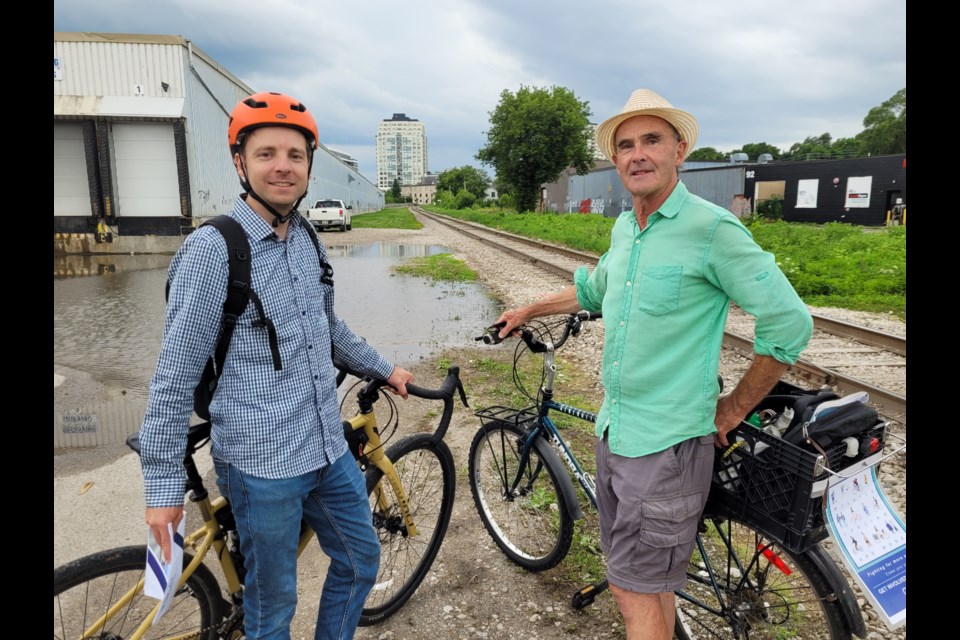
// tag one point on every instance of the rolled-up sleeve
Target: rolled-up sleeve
(591, 286)
(751, 278)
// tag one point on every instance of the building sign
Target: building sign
(807, 194)
(57, 71)
(858, 192)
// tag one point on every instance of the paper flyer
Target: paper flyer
(872, 539)
(161, 579)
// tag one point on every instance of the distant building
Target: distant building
(594, 149)
(423, 193)
(401, 151)
(852, 190)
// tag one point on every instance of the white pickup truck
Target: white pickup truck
(330, 213)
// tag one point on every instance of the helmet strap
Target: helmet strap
(278, 218)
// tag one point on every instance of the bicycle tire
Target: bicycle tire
(533, 528)
(84, 589)
(428, 476)
(773, 604)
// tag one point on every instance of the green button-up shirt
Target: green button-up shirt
(664, 293)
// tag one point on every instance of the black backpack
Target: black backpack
(238, 294)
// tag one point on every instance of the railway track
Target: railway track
(849, 357)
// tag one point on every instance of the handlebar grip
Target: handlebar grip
(492, 335)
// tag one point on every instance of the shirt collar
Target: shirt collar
(671, 206)
(254, 225)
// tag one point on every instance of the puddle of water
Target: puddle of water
(109, 314)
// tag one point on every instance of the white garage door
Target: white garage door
(71, 192)
(146, 170)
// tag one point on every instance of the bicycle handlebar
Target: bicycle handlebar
(370, 393)
(572, 327)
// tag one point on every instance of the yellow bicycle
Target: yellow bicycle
(411, 490)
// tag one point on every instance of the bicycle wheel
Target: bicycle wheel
(85, 589)
(428, 476)
(765, 590)
(519, 500)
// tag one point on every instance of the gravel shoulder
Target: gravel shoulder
(472, 590)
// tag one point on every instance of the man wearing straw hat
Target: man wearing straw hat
(664, 286)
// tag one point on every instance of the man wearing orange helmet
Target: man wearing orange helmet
(278, 445)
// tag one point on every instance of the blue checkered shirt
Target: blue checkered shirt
(271, 424)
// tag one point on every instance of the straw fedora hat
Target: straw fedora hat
(644, 102)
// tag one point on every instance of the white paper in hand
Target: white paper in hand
(161, 578)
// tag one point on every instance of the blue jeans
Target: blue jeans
(333, 501)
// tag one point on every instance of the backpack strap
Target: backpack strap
(239, 291)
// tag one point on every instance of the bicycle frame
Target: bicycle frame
(745, 558)
(212, 534)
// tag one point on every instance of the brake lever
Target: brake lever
(492, 335)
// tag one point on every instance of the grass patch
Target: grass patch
(392, 218)
(830, 265)
(442, 266)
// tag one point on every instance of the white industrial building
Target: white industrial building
(401, 151)
(140, 144)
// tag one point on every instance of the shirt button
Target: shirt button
(309, 346)
(316, 377)
(303, 313)
(628, 283)
(296, 279)
(622, 323)
(616, 364)
(637, 241)
(614, 401)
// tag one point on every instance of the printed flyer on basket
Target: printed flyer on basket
(872, 540)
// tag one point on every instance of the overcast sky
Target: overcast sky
(774, 71)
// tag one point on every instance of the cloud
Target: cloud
(752, 71)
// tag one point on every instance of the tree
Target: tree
(755, 149)
(707, 154)
(534, 135)
(885, 127)
(466, 177)
(395, 190)
(816, 146)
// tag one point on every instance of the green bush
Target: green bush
(772, 208)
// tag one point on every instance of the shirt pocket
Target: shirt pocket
(659, 289)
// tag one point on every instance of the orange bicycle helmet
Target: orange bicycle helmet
(269, 109)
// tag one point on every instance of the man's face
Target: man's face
(647, 154)
(277, 165)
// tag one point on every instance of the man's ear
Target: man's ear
(681, 151)
(238, 164)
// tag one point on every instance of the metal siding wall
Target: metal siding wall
(716, 185)
(214, 184)
(113, 68)
(330, 178)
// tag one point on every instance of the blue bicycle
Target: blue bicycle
(749, 576)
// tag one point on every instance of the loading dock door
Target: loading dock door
(71, 190)
(145, 166)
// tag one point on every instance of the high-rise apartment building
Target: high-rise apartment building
(401, 151)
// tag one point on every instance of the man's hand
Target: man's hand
(727, 419)
(158, 519)
(398, 381)
(759, 378)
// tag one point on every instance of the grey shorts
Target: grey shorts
(649, 510)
